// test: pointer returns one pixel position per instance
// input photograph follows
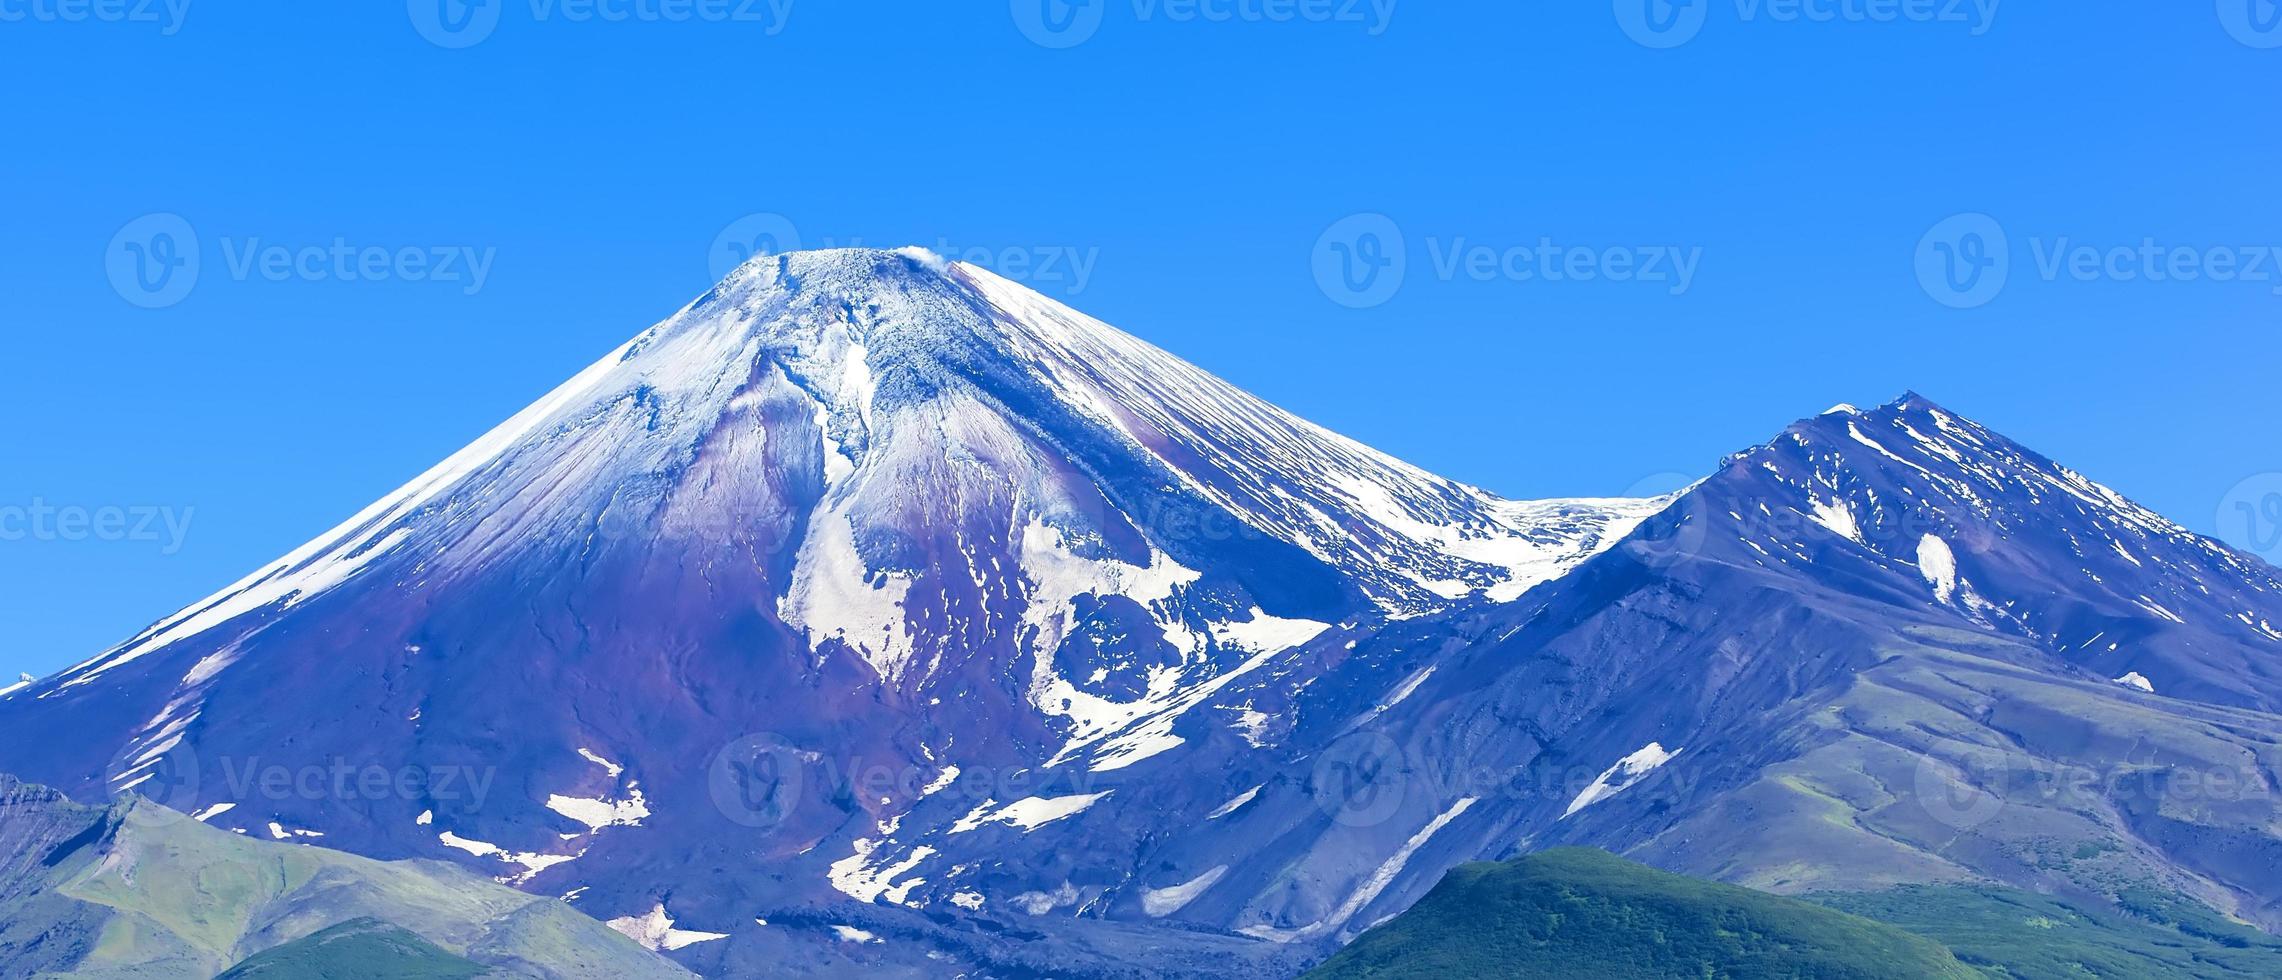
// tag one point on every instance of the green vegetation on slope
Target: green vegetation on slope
(1589, 915)
(2016, 934)
(365, 949)
(135, 891)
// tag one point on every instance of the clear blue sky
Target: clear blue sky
(1198, 163)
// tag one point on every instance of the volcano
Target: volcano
(873, 612)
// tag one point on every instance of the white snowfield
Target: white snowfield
(1629, 770)
(656, 932)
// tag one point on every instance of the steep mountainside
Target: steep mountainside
(876, 613)
(138, 891)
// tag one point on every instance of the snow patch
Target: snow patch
(1629, 770)
(862, 877)
(1839, 518)
(597, 814)
(1027, 814)
(531, 863)
(615, 770)
(1236, 804)
(657, 934)
(1939, 566)
(1158, 903)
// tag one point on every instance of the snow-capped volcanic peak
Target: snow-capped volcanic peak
(909, 427)
(2007, 539)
